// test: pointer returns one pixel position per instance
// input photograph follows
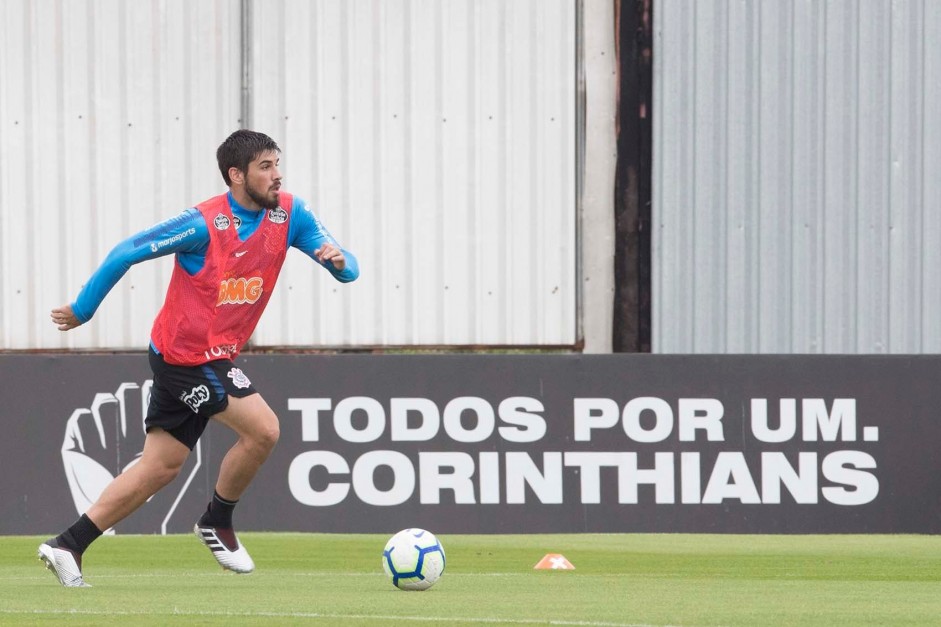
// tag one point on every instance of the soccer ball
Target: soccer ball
(414, 559)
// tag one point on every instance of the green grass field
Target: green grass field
(619, 579)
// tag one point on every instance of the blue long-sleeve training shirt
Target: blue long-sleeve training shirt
(187, 236)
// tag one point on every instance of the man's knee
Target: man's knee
(265, 432)
(168, 472)
(254, 421)
(157, 472)
(269, 433)
(163, 457)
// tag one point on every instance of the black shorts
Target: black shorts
(184, 398)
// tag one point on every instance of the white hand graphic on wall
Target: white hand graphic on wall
(107, 438)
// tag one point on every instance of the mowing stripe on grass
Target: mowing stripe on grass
(377, 575)
(426, 619)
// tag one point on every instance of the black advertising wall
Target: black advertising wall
(506, 444)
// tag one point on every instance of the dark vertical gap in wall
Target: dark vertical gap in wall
(632, 187)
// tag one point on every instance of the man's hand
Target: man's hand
(64, 318)
(327, 252)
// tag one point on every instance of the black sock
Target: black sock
(219, 512)
(77, 537)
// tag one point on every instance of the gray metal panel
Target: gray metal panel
(110, 113)
(436, 140)
(794, 144)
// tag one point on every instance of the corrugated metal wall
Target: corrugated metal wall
(796, 178)
(436, 139)
(110, 113)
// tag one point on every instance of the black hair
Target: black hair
(241, 148)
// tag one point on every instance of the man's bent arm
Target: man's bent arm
(309, 235)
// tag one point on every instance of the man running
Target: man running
(229, 251)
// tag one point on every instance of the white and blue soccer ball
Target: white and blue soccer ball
(413, 559)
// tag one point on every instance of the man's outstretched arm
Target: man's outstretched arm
(186, 232)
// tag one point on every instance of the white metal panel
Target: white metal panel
(110, 114)
(599, 88)
(795, 176)
(436, 140)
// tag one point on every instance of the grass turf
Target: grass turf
(620, 579)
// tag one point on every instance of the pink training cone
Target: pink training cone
(554, 561)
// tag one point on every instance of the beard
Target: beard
(267, 201)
